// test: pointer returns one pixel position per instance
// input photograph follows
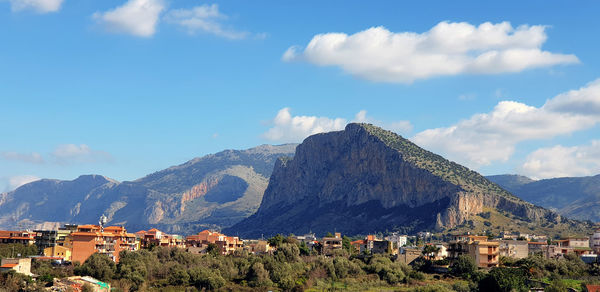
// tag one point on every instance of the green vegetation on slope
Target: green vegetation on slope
(447, 170)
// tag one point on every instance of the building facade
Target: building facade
(89, 239)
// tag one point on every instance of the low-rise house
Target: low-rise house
(258, 246)
(483, 252)
(330, 244)
(516, 249)
(371, 244)
(58, 252)
(199, 242)
(19, 265)
(577, 245)
(408, 255)
(22, 237)
(155, 237)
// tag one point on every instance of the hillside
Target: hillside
(574, 197)
(365, 179)
(214, 191)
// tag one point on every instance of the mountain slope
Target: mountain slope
(215, 191)
(365, 179)
(576, 197)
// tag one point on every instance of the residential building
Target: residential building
(517, 249)
(397, 240)
(537, 247)
(63, 238)
(22, 237)
(408, 255)
(45, 238)
(371, 244)
(58, 251)
(308, 238)
(258, 246)
(330, 244)
(595, 243)
(89, 239)
(155, 237)
(442, 251)
(483, 252)
(578, 245)
(19, 265)
(199, 242)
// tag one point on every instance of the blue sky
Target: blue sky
(126, 88)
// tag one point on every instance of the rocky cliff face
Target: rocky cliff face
(366, 179)
(213, 191)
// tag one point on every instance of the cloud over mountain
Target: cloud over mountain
(449, 48)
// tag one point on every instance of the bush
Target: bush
(504, 280)
(463, 267)
(99, 266)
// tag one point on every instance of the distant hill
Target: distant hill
(575, 197)
(213, 191)
(365, 179)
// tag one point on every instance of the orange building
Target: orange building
(155, 237)
(89, 239)
(485, 253)
(22, 237)
(227, 244)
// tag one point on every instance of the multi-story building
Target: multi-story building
(22, 237)
(155, 237)
(483, 252)
(577, 245)
(397, 240)
(595, 243)
(199, 242)
(63, 238)
(45, 238)
(89, 239)
(329, 244)
(517, 249)
(371, 244)
(537, 247)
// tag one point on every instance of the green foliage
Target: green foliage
(276, 240)
(504, 280)
(11, 250)
(99, 266)
(556, 285)
(463, 267)
(213, 249)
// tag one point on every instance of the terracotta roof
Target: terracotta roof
(537, 243)
(9, 265)
(593, 288)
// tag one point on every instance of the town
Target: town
(73, 244)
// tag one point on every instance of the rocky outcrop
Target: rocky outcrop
(213, 191)
(365, 179)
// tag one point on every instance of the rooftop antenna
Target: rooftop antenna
(102, 222)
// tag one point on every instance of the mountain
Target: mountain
(213, 191)
(576, 197)
(365, 179)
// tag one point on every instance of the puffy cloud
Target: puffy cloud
(560, 161)
(40, 6)
(378, 54)
(71, 153)
(288, 128)
(19, 180)
(488, 137)
(32, 157)
(136, 17)
(205, 18)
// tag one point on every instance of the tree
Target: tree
(464, 267)
(429, 251)
(213, 249)
(276, 240)
(346, 244)
(504, 280)
(99, 266)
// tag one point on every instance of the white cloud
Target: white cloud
(559, 161)
(32, 157)
(19, 180)
(136, 17)
(378, 54)
(71, 153)
(40, 6)
(288, 128)
(205, 18)
(488, 137)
